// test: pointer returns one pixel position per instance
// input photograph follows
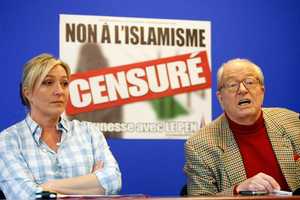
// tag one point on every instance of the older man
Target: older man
(248, 147)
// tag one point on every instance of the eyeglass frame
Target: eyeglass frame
(247, 86)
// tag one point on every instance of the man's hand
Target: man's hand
(259, 182)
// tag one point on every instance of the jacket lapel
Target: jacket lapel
(233, 162)
(283, 150)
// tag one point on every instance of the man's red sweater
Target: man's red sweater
(256, 150)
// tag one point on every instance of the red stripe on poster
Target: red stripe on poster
(116, 86)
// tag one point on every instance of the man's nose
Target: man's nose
(242, 87)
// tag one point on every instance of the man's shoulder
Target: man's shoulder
(209, 133)
(278, 113)
(282, 118)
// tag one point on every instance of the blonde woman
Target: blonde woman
(45, 150)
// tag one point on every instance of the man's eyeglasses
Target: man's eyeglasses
(234, 86)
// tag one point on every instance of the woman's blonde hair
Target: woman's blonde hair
(35, 70)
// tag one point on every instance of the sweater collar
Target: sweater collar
(246, 129)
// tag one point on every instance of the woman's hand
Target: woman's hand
(98, 166)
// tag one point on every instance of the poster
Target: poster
(138, 78)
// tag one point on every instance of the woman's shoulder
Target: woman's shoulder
(78, 123)
(14, 128)
(85, 126)
(13, 134)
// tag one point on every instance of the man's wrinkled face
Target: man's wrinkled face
(241, 93)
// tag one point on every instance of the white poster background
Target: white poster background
(136, 120)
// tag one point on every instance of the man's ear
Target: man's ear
(220, 98)
(263, 88)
